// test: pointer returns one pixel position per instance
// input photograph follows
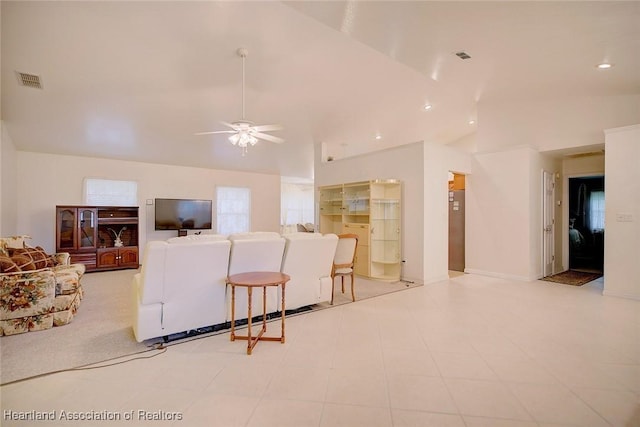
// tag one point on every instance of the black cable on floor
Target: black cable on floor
(91, 366)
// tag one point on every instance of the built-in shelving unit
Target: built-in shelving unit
(371, 210)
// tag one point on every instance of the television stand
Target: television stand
(100, 237)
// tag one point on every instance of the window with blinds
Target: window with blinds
(110, 192)
(233, 206)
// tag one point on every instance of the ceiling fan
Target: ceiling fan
(245, 132)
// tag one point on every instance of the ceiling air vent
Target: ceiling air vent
(463, 55)
(29, 80)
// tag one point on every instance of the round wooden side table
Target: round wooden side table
(250, 280)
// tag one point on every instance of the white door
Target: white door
(548, 196)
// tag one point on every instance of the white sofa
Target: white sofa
(181, 286)
(254, 251)
(182, 283)
(308, 258)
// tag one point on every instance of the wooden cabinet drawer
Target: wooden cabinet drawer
(361, 230)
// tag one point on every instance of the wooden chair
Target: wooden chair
(343, 261)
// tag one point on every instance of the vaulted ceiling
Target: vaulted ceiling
(136, 80)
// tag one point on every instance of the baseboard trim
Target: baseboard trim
(620, 295)
(499, 275)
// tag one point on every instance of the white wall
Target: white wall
(404, 163)
(8, 188)
(47, 180)
(622, 192)
(505, 216)
(438, 161)
(498, 212)
(505, 211)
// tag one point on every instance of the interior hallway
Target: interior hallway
(470, 351)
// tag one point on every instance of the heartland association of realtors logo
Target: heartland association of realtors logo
(63, 415)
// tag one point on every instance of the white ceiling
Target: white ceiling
(136, 80)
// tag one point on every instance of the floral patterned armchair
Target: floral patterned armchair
(26, 302)
(37, 291)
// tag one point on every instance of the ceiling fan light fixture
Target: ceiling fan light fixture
(244, 132)
(243, 139)
(244, 135)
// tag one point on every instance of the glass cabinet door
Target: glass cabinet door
(67, 229)
(386, 251)
(356, 200)
(385, 231)
(331, 201)
(87, 226)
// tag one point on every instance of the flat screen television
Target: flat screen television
(183, 214)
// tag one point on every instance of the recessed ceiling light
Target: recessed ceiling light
(604, 66)
(427, 107)
(471, 121)
(378, 136)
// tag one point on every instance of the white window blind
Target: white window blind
(110, 192)
(296, 205)
(233, 209)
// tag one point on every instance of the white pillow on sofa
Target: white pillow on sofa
(197, 238)
(302, 235)
(254, 235)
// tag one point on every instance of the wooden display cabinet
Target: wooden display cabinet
(372, 210)
(100, 237)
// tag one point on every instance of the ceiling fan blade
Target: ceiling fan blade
(268, 137)
(231, 125)
(263, 128)
(217, 131)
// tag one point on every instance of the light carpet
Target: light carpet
(101, 331)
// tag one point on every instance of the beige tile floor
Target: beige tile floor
(472, 351)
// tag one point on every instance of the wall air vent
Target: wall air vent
(463, 55)
(29, 80)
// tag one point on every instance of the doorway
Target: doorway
(586, 223)
(456, 222)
